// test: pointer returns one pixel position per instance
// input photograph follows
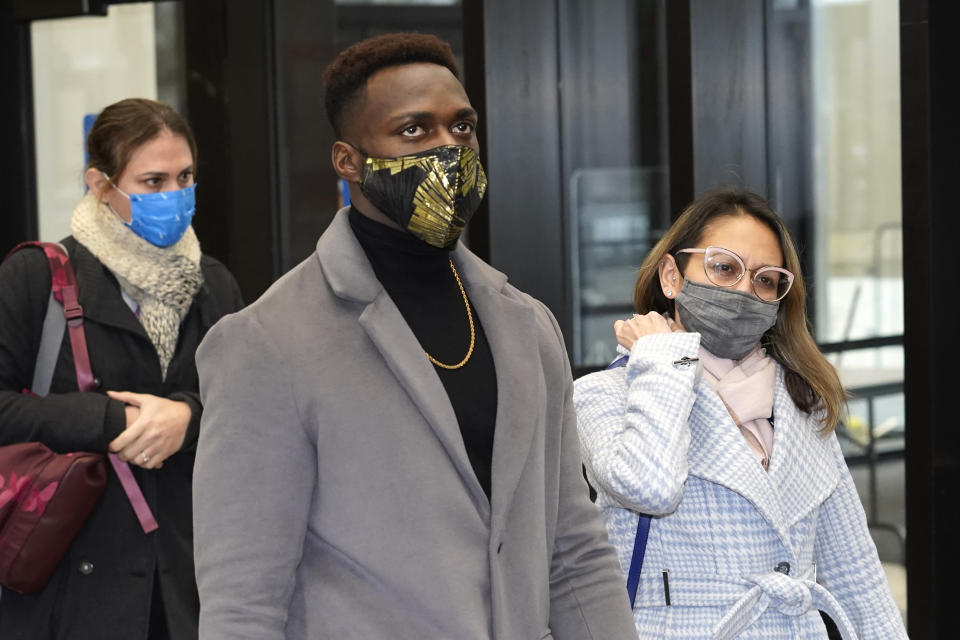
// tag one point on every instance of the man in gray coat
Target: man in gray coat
(389, 446)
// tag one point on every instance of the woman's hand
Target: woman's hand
(155, 429)
(628, 331)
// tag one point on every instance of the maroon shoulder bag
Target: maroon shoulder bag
(46, 497)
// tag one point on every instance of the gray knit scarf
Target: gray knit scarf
(163, 281)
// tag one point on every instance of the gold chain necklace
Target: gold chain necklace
(466, 303)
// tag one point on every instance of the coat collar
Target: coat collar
(510, 329)
(99, 293)
(806, 472)
(802, 472)
(349, 274)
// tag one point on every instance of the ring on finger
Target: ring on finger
(144, 456)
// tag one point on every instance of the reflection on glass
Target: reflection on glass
(856, 129)
(858, 260)
(615, 153)
(874, 378)
(872, 439)
(613, 216)
(80, 65)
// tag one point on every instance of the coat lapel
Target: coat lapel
(802, 472)
(351, 277)
(719, 454)
(402, 352)
(510, 327)
(803, 467)
(100, 294)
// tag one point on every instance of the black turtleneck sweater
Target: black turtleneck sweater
(418, 279)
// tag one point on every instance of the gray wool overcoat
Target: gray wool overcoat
(333, 496)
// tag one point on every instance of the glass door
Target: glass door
(858, 289)
(81, 65)
(614, 142)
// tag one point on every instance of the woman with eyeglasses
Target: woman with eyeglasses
(718, 421)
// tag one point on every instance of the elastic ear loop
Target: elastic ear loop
(110, 206)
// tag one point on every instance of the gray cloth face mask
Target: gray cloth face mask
(730, 322)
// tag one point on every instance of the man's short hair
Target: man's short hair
(346, 77)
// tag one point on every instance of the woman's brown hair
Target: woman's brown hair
(810, 379)
(123, 126)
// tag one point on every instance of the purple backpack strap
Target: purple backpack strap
(63, 283)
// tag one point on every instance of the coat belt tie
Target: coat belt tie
(747, 597)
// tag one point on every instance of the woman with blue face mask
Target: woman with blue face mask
(148, 296)
(717, 421)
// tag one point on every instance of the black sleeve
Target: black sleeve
(192, 399)
(226, 299)
(71, 421)
(222, 285)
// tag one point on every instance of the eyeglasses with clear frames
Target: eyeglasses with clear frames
(724, 268)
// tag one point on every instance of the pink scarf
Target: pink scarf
(746, 388)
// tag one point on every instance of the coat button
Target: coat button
(97, 383)
(782, 567)
(86, 567)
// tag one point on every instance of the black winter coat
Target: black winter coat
(102, 590)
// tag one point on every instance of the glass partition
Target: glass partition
(617, 215)
(614, 134)
(80, 65)
(858, 260)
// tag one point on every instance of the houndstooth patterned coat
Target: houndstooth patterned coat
(658, 440)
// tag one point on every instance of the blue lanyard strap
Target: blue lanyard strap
(643, 528)
(636, 563)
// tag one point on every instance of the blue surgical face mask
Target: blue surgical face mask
(163, 217)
